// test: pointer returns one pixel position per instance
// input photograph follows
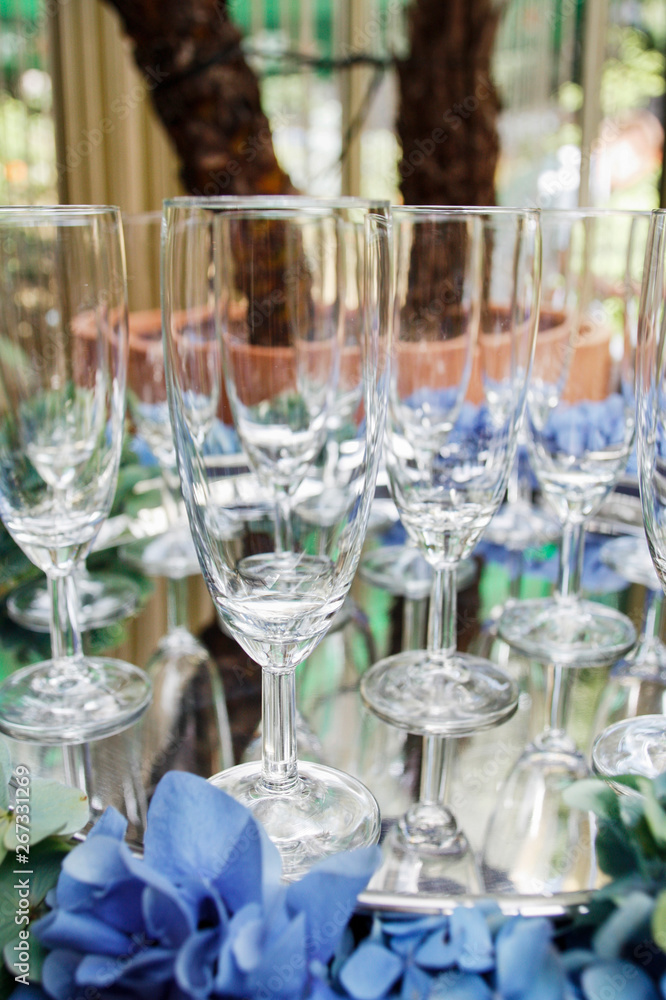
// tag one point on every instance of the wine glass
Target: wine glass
(466, 304)
(639, 745)
(254, 294)
(580, 420)
(63, 364)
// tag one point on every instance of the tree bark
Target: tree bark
(205, 94)
(447, 118)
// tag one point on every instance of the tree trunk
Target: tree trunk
(447, 118)
(205, 94)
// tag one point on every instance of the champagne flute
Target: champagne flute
(256, 293)
(466, 303)
(639, 745)
(63, 358)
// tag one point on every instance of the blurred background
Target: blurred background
(524, 102)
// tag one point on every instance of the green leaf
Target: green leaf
(659, 921)
(593, 795)
(54, 809)
(37, 953)
(616, 854)
(654, 814)
(5, 775)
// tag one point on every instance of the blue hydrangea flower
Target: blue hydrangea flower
(203, 914)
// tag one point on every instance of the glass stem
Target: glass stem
(170, 494)
(653, 617)
(284, 538)
(64, 624)
(177, 611)
(572, 549)
(442, 640)
(279, 764)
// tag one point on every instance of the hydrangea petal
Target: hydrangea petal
(412, 926)
(195, 963)
(60, 929)
(455, 985)
(153, 965)
(28, 993)
(58, 974)
(549, 982)
(521, 947)
(437, 952)
(166, 918)
(371, 971)
(617, 979)
(110, 824)
(223, 846)
(283, 968)
(469, 927)
(338, 879)
(229, 980)
(416, 984)
(248, 939)
(97, 862)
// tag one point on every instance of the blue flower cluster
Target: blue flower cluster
(203, 914)
(477, 955)
(583, 427)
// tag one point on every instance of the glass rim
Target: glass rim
(263, 201)
(462, 211)
(61, 209)
(595, 213)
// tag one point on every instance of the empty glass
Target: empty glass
(254, 302)
(639, 745)
(466, 301)
(63, 358)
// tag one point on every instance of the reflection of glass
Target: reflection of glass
(466, 297)
(639, 745)
(63, 359)
(256, 292)
(104, 598)
(637, 683)
(580, 419)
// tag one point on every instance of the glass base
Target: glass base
(326, 812)
(633, 746)
(72, 701)
(172, 555)
(104, 599)
(567, 631)
(403, 572)
(519, 526)
(426, 853)
(435, 697)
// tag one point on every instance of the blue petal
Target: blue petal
(195, 964)
(153, 965)
(575, 959)
(58, 974)
(632, 915)
(454, 985)
(416, 984)
(549, 981)
(469, 945)
(619, 979)
(521, 947)
(248, 938)
(28, 993)
(284, 966)
(96, 862)
(370, 972)
(197, 830)
(411, 926)
(110, 824)
(337, 879)
(167, 919)
(60, 929)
